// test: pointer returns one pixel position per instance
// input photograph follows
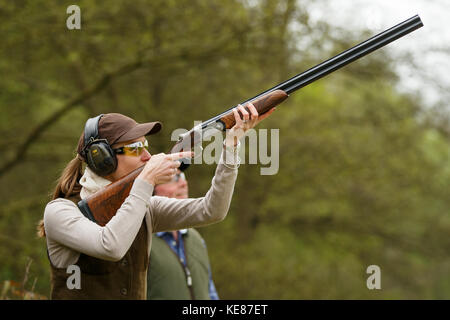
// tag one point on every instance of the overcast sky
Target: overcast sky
(427, 45)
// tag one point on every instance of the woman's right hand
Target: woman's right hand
(162, 167)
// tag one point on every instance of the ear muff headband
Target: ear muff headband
(98, 153)
(91, 130)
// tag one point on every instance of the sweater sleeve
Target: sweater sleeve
(65, 224)
(174, 214)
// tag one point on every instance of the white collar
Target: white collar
(91, 183)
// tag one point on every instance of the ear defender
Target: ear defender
(99, 155)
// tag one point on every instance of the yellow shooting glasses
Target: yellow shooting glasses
(133, 149)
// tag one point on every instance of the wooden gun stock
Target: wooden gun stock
(103, 205)
(262, 105)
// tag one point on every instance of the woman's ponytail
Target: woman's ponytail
(67, 186)
(69, 182)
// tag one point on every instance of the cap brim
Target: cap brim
(141, 129)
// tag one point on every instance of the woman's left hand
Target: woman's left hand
(249, 121)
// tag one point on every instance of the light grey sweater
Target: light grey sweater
(70, 233)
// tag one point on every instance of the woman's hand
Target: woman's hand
(249, 121)
(162, 167)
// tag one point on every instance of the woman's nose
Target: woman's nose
(145, 155)
(182, 182)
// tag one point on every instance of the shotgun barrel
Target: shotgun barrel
(337, 62)
(225, 120)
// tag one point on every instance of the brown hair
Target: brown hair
(68, 185)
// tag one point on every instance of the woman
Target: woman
(89, 261)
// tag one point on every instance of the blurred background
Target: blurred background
(364, 171)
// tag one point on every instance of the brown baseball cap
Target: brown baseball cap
(115, 128)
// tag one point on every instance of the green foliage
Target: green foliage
(362, 180)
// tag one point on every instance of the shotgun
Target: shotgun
(103, 205)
